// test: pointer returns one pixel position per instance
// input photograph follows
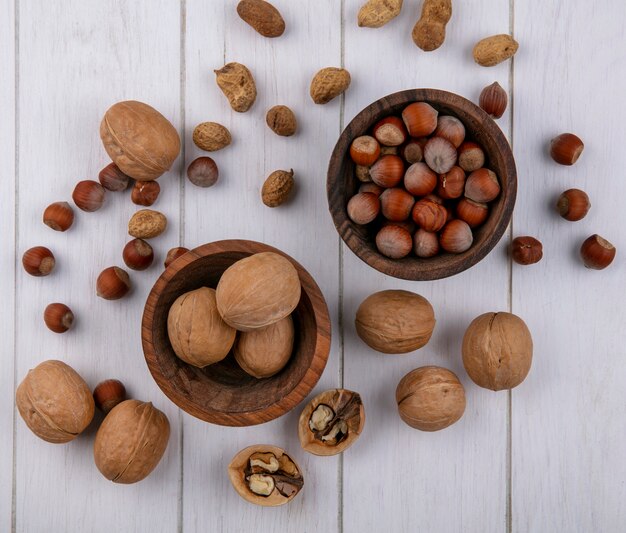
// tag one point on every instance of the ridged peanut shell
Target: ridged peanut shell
(497, 351)
(262, 16)
(211, 136)
(258, 291)
(237, 84)
(277, 188)
(377, 13)
(490, 51)
(139, 140)
(131, 441)
(395, 321)
(328, 83)
(55, 402)
(196, 330)
(264, 352)
(147, 224)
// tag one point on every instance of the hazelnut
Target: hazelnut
(173, 254)
(113, 283)
(451, 184)
(429, 215)
(277, 188)
(395, 321)
(137, 254)
(108, 394)
(387, 171)
(597, 253)
(198, 334)
(363, 207)
(425, 243)
(497, 351)
(55, 402)
(430, 398)
(420, 119)
(419, 180)
(265, 475)
(408, 225)
(394, 242)
(451, 129)
(38, 261)
(573, 205)
(433, 198)
(493, 100)
(59, 216)
(364, 150)
(281, 120)
(439, 154)
(456, 237)
(363, 173)
(58, 317)
(264, 352)
(526, 250)
(331, 422)
(412, 151)
(88, 195)
(390, 131)
(482, 186)
(146, 224)
(113, 179)
(203, 172)
(145, 192)
(371, 187)
(471, 156)
(474, 213)
(396, 204)
(566, 148)
(211, 136)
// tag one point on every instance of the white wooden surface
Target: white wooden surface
(550, 456)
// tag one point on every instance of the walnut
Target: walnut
(265, 475)
(331, 422)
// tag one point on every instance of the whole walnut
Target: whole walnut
(131, 441)
(258, 291)
(139, 140)
(430, 398)
(55, 402)
(395, 321)
(497, 351)
(264, 352)
(196, 330)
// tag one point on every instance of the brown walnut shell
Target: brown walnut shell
(264, 352)
(497, 351)
(55, 402)
(395, 321)
(237, 84)
(131, 441)
(196, 330)
(282, 484)
(258, 291)
(139, 140)
(331, 422)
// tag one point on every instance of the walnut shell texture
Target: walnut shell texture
(211, 136)
(277, 188)
(237, 84)
(146, 224)
(497, 351)
(347, 407)
(395, 321)
(131, 441)
(264, 352)
(239, 470)
(139, 140)
(258, 291)
(262, 16)
(329, 83)
(430, 398)
(55, 402)
(196, 330)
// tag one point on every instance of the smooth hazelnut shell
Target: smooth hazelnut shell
(451, 184)
(394, 242)
(526, 250)
(113, 179)
(113, 283)
(203, 172)
(145, 192)
(456, 237)
(482, 186)
(38, 261)
(566, 148)
(59, 216)
(364, 150)
(88, 195)
(390, 131)
(58, 317)
(108, 394)
(440, 155)
(597, 253)
(419, 179)
(363, 207)
(137, 254)
(173, 254)
(388, 171)
(371, 187)
(420, 119)
(396, 204)
(474, 213)
(425, 243)
(573, 205)
(429, 215)
(493, 100)
(451, 129)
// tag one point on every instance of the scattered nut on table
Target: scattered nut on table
(377, 13)
(237, 84)
(495, 49)
(329, 83)
(429, 31)
(281, 120)
(331, 422)
(147, 224)
(277, 188)
(262, 16)
(211, 136)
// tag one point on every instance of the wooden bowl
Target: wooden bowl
(223, 393)
(342, 184)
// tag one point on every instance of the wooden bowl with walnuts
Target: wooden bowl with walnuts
(217, 369)
(421, 184)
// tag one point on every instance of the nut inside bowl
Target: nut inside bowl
(222, 393)
(342, 184)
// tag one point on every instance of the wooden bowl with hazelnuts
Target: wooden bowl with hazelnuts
(236, 332)
(422, 184)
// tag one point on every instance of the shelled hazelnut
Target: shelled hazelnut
(145, 193)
